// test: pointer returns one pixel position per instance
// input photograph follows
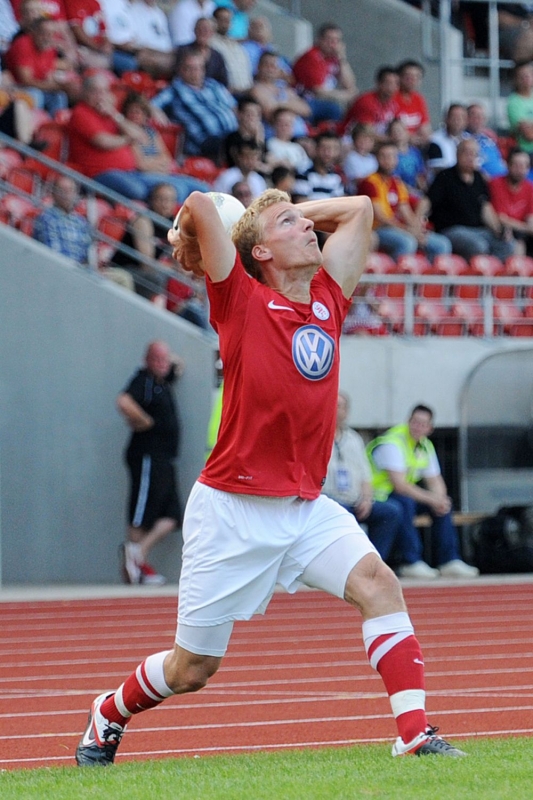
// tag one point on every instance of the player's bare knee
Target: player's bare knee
(187, 672)
(374, 588)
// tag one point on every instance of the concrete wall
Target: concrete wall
(69, 342)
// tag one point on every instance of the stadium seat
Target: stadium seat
(471, 314)
(413, 264)
(485, 265)
(202, 168)
(114, 228)
(55, 135)
(177, 292)
(5, 216)
(101, 208)
(519, 265)
(139, 81)
(8, 160)
(392, 312)
(450, 327)
(524, 329)
(26, 223)
(17, 207)
(506, 314)
(449, 264)
(172, 135)
(379, 264)
(23, 179)
(467, 291)
(431, 291)
(503, 291)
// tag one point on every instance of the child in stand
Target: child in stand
(359, 162)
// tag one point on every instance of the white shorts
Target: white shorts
(236, 548)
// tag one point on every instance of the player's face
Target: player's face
(420, 425)
(289, 236)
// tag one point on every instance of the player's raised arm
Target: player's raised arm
(201, 244)
(349, 221)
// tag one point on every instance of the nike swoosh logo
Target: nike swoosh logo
(417, 661)
(273, 305)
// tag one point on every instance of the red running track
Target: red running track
(297, 677)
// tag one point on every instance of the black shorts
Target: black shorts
(153, 491)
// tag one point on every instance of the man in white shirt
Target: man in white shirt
(246, 160)
(236, 58)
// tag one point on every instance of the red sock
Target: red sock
(401, 667)
(145, 688)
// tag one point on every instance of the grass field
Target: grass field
(496, 769)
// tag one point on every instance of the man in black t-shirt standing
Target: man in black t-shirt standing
(148, 405)
(462, 211)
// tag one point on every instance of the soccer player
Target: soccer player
(256, 516)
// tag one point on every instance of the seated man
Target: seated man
(512, 198)
(411, 104)
(203, 106)
(322, 180)
(399, 229)
(376, 108)
(399, 459)
(272, 91)
(215, 67)
(462, 211)
(245, 169)
(491, 162)
(442, 150)
(324, 77)
(235, 57)
(348, 481)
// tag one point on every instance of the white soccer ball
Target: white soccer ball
(230, 210)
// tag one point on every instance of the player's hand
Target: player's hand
(186, 251)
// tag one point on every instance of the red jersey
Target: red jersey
(85, 122)
(516, 204)
(314, 70)
(371, 110)
(88, 15)
(23, 53)
(281, 381)
(412, 110)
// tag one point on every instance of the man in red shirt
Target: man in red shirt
(87, 22)
(257, 516)
(411, 105)
(36, 65)
(399, 230)
(324, 76)
(376, 108)
(512, 198)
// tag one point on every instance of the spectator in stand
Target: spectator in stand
(520, 107)
(63, 40)
(215, 66)
(272, 92)
(411, 166)
(399, 230)
(349, 483)
(377, 107)
(281, 150)
(245, 169)
(462, 211)
(442, 150)
(203, 106)
(322, 180)
(401, 458)
(140, 36)
(240, 21)
(283, 178)
(360, 160)
(152, 155)
(16, 112)
(37, 66)
(148, 238)
(8, 25)
(235, 57)
(184, 16)
(249, 129)
(512, 198)
(260, 41)
(87, 22)
(242, 192)
(492, 163)
(324, 77)
(62, 229)
(411, 105)
(102, 143)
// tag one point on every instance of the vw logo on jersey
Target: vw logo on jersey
(313, 351)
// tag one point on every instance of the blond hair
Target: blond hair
(248, 231)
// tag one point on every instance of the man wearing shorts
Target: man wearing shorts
(148, 406)
(256, 516)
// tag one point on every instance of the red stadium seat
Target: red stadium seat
(450, 327)
(177, 293)
(450, 264)
(485, 265)
(141, 82)
(101, 208)
(506, 314)
(17, 207)
(23, 179)
(202, 168)
(525, 329)
(472, 315)
(114, 228)
(26, 223)
(414, 264)
(392, 312)
(431, 291)
(468, 291)
(8, 160)
(379, 264)
(395, 291)
(519, 265)
(504, 292)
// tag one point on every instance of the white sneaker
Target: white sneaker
(458, 569)
(130, 556)
(419, 570)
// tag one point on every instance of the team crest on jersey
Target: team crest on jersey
(320, 311)
(313, 352)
